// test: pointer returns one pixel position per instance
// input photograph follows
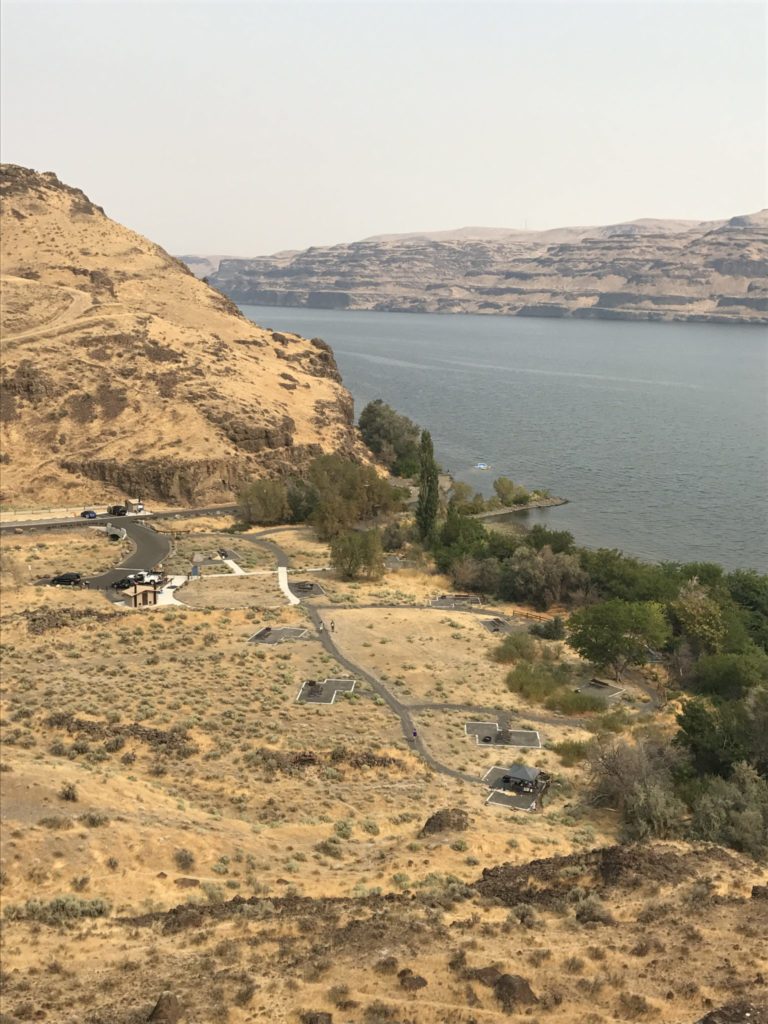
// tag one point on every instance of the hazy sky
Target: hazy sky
(244, 128)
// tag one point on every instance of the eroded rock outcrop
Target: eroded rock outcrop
(644, 270)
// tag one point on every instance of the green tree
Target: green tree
(734, 812)
(505, 490)
(749, 590)
(373, 554)
(560, 541)
(358, 551)
(719, 734)
(429, 493)
(302, 500)
(391, 436)
(461, 496)
(618, 633)
(612, 574)
(347, 493)
(347, 552)
(263, 502)
(700, 618)
(730, 676)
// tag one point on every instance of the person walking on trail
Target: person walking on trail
(414, 735)
(333, 626)
(321, 627)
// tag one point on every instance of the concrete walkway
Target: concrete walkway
(282, 579)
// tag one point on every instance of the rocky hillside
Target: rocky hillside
(644, 270)
(124, 374)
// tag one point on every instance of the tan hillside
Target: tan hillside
(124, 374)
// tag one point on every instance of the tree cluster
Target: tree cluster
(335, 495)
(393, 438)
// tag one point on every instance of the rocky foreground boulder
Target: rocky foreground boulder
(451, 819)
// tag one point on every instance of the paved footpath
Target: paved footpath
(402, 711)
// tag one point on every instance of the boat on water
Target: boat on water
(482, 465)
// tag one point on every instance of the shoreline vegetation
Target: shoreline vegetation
(699, 634)
(496, 513)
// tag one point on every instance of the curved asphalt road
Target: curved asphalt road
(149, 549)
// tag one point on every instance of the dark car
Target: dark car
(88, 513)
(123, 584)
(117, 510)
(68, 579)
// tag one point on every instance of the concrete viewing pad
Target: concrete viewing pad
(315, 691)
(277, 635)
(492, 735)
(518, 801)
(305, 588)
(519, 786)
(600, 689)
(455, 600)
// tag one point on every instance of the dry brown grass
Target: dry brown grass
(47, 553)
(177, 735)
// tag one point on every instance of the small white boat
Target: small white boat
(482, 465)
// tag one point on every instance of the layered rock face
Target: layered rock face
(644, 270)
(125, 375)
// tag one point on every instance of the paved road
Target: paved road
(74, 521)
(149, 549)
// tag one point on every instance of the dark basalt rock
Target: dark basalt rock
(737, 1013)
(167, 1010)
(451, 819)
(513, 992)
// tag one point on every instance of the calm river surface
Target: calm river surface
(656, 433)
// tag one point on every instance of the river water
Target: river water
(656, 433)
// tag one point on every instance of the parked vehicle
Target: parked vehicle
(148, 578)
(68, 579)
(124, 583)
(88, 513)
(117, 510)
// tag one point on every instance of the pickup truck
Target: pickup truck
(117, 510)
(148, 578)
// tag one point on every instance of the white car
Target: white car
(148, 578)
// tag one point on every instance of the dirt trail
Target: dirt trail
(81, 303)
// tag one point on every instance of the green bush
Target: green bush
(516, 647)
(569, 702)
(571, 752)
(552, 629)
(59, 910)
(68, 792)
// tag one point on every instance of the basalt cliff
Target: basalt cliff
(714, 271)
(123, 374)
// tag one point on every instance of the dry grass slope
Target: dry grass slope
(124, 374)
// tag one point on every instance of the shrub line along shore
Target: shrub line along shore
(539, 503)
